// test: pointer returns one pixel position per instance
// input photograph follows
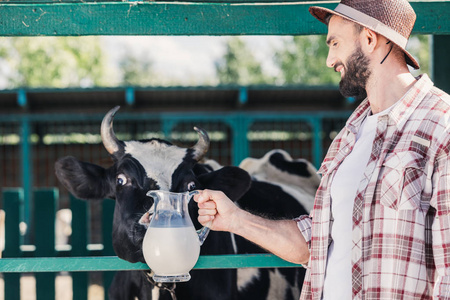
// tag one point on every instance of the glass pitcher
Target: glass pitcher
(171, 245)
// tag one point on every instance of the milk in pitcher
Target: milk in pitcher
(171, 251)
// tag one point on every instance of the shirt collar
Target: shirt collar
(358, 116)
(401, 112)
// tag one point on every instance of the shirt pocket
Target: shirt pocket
(402, 181)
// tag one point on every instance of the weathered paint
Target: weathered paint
(186, 18)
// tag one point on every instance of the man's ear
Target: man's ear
(85, 180)
(233, 181)
(370, 40)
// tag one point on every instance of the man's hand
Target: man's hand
(216, 210)
(281, 237)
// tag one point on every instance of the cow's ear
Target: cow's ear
(233, 181)
(84, 180)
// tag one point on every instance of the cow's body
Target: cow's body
(155, 164)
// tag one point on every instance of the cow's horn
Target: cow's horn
(109, 139)
(202, 145)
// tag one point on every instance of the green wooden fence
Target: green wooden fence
(79, 17)
(45, 261)
(214, 17)
(43, 257)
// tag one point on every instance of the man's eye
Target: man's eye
(121, 179)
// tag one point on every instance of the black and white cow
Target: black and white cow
(140, 166)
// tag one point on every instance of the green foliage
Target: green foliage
(62, 62)
(239, 66)
(52, 62)
(303, 61)
(136, 71)
(419, 47)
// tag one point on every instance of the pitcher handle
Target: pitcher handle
(204, 231)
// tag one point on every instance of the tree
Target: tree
(302, 61)
(137, 70)
(239, 66)
(52, 62)
(419, 47)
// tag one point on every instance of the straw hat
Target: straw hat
(393, 19)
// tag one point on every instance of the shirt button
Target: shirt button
(346, 150)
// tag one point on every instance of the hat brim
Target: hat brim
(321, 13)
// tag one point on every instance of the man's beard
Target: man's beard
(357, 72)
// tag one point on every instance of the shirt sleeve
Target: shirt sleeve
(441, 226)
(304, 224)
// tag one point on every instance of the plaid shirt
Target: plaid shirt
(401, 214)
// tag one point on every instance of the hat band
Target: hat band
(373, 24)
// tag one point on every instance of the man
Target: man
(380, 227)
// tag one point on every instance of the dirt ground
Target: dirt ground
(63, 286)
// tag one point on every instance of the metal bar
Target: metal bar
(113, 263)
(186, 18)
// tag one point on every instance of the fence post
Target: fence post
(79, 241)
(317, 139)
(107, 220)
(240, 126)
(13, 204)
(26, 164)
(44, 222)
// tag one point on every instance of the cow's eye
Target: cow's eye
(191, 186)
(121, 179)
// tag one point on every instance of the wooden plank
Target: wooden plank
(79, 241)
(186, 18)
(44, 224)
(113, 263)
(13, 206)
(107, 229)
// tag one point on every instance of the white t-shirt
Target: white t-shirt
(338, 278)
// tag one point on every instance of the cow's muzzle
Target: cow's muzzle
(147, 217)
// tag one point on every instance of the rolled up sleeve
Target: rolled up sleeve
(441, 227)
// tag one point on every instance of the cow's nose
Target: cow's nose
(147, 217)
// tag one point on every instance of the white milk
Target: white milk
(171, 251)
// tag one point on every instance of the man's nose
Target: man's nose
(331, 60)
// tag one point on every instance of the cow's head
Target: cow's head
(140, 166)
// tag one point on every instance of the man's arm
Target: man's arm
(280, 237)
(441, 227)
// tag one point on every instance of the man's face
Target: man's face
(346, 56)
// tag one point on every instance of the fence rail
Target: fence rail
(185, 18)
(113, 263)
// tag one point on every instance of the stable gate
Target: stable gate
(79, 258)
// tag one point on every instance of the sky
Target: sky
(189, 59)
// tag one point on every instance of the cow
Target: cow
(152, 164)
